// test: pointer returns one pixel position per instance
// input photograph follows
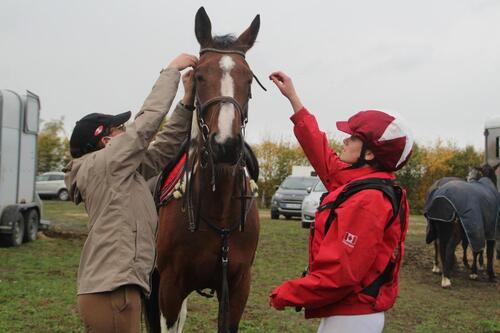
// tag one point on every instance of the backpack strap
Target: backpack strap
(386, 186)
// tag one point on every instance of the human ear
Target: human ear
(369, 155)
(104, 140)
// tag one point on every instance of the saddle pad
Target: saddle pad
(173, 177)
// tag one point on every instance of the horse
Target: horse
(463, 211)
(208, 238)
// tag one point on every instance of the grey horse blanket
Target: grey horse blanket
(475, 203)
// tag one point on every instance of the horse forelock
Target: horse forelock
(225, 42)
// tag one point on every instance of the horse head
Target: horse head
(223, 80)
(486, 170)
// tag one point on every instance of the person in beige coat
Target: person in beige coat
(109, 172)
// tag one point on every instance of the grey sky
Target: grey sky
(437, 63)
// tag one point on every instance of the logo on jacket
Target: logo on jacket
(350, 239)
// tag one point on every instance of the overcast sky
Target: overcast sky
(437, 63)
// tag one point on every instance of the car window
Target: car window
(320, 187)
(56, 177)
(298, 183)
(42, 178)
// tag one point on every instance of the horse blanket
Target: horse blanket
(476, 204)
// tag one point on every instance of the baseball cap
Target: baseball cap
(90, 129)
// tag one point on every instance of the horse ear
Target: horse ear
(203, 28)
(247, 38)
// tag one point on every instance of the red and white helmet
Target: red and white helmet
(386, 136)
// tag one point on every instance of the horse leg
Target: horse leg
(449, 235)
(173, 304)
(465, 244)
(238, 299)
(435, 267)
(490, 249)
(481, 260)
(449, 262)
(473, 274)
(445, 278)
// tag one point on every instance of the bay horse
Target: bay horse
(463, 211)
(208, 238)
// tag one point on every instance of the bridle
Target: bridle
(206, 156)
(202, 107)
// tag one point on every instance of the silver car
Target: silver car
(311, 203)
(52, 184)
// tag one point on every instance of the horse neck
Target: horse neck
(219, 203)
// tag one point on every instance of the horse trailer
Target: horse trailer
(492, 143)
(20, 206)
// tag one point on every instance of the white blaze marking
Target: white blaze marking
(226, 115)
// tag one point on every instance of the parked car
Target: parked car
(51, 184)
(311, 203)
(287, 200)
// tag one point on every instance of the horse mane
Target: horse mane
(488, 171)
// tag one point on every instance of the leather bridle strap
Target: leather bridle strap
(210, 49)
(240, 53)
(222, 99)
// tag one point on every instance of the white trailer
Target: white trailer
(20, 206)
(492, 143)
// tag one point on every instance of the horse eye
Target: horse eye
(199, 78)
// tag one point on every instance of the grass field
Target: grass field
(37, 284)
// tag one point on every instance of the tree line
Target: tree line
(427, 164)
(276, 158)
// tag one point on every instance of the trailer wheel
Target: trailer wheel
(15, 238)
(31, 222)
(63, 195)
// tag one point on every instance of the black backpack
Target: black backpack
(394, 192)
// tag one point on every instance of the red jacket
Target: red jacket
(356, 249)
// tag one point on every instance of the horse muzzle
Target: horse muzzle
(228, 152)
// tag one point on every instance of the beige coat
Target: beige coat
(120, 247)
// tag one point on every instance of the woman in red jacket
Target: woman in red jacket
(355, 253)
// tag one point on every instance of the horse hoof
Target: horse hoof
(473, 277)
(446, 283)
(436, 270)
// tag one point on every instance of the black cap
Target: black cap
(90, 129)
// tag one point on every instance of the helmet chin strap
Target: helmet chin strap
(361, 159)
